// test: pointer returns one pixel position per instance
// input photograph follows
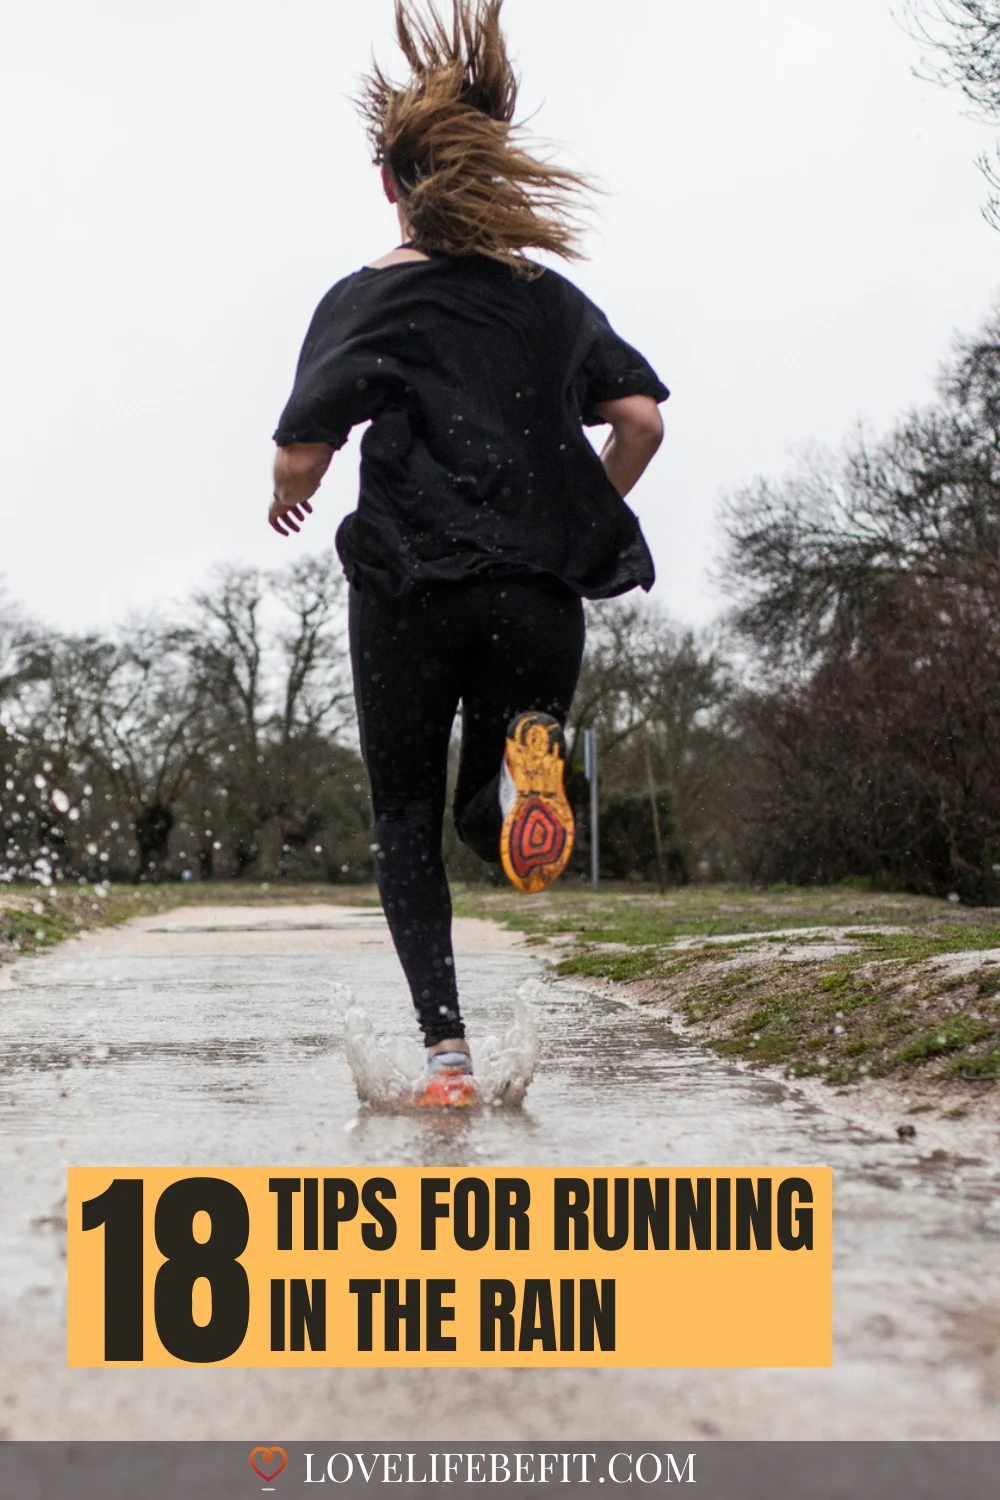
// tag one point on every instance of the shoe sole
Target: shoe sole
(446, 1090)
(536, 840)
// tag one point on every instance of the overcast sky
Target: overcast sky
(792, 236)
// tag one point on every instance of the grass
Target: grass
(882, 1007)
(33, 918)
(717, 957)
(625, 914)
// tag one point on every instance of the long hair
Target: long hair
(467, 182)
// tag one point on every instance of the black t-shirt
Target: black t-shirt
(477, 383)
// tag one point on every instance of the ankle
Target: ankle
(454, 1044)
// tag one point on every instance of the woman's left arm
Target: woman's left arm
(298, 470)
(636, 433)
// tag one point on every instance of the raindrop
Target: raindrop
(40, 781)
(60, 801)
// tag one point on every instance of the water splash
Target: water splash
(388, 1070)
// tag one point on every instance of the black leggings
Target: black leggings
(498, 647)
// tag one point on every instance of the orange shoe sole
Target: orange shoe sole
(536, 840)
(448, 1089)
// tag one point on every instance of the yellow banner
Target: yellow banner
(406, 1266)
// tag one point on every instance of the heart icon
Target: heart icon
(268, 1457)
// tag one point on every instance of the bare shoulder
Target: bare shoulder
(397, 257)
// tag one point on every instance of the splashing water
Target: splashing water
(389, 1070)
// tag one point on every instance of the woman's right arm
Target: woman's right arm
(298, 469)
(636, 433)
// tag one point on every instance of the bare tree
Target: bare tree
(867, 593)
(657, 697)
(271, 653)
(317, 694)
(962, 50)
(808, 559)
(128, 712)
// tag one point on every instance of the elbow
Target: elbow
(653, 430)
(299, 461)
(299, 469)
(635, 422)
(642, 431)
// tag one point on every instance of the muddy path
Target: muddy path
(208, 1036)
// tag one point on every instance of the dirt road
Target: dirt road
(208, 1035)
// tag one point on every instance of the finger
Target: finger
(276, 525)
(307, 506)
(287, 519)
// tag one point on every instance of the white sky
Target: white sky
(793, 237)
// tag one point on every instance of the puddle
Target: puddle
(200, 1060)
(388, 1070)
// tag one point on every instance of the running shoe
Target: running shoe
(537, 836)
(449, 1083)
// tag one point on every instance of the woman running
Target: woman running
(485, 516)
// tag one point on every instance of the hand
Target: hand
(286, 513)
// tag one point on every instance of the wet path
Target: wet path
(186, 1047)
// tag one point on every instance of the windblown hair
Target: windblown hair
(466, 180)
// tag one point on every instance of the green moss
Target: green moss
(950, 1035)
(979, 1067)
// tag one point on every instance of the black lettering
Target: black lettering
(119, 1209)
(307, 1315)
(795, 1226)
(284, 1187)
(471, 1190)
(723, 1213)
(567, 1315)
(651, 1212)
(753, 1212)
(406, 1311)
(604, 1239)
(438, 1342)
(693, 1213)
(382, 1234)
(310, 1214)
(537, 1317)
(597, 1315)
(366, 1292)
(340, 1206)
(497, 1300)
(572, 1199)
(431, 1210)
(513, 1199)
(277, 1317)
(189, 1260)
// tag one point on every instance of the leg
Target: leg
(529, 658)
(407, 674)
